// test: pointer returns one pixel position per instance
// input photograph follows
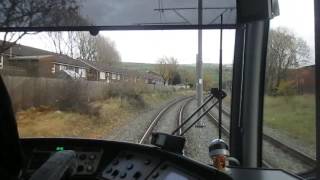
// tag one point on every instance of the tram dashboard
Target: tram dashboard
(104, 160)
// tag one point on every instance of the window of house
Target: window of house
(62, 67)
(76, 69)
(71, 68)
(82, 72)
(113, 76)
(53, 69)
(118, 77)
(102, 75)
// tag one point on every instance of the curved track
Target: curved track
(160, 115)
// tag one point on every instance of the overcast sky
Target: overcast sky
(149, 46)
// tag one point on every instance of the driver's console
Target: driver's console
(99, 159)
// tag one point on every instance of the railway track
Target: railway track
(284, 147)
(161, 113)
(225, 130)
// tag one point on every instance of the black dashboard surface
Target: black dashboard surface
(102, 159)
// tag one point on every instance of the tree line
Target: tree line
(85, 46)
(285, 52)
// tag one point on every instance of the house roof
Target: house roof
(21, 50)
(104, 67)
(153, 75)
(30, 57)
(63, 59)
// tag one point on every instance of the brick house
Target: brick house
(20, 60)
(151, 77)
(304, 79)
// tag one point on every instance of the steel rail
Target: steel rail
(158, 117)
(180, 118)
(284, 147)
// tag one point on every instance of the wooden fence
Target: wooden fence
(28, 92)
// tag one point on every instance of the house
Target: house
(304, 79)
(45, 66)
(151, 77)
(20, 60)
(103, 72)
(28, 61)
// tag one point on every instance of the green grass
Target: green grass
(294, 115)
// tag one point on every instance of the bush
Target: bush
(128, 91)
(286, 88)
(72, 97)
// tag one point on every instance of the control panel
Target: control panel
(133, 165)
(87, 160)
(130, 165)
(101, 159)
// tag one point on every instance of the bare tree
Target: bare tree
(57, 41)
(65, 42)
(10, 39)
(85, 46)
(162, 68)
(285, 51)
(167, 67)
(36, 13)
(106, 51)
(97, 48)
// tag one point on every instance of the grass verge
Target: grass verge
(294, 115)
(108, 114)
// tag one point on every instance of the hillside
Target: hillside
(142, 67)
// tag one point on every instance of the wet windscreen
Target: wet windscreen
(114, 14)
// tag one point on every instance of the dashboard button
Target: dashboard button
(115, 173)
(147, 162)
(130, 166)
(137, 175)
(123, 175)
(82, 157)
(92, 157)
(89, 168)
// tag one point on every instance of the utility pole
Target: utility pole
(199, 70)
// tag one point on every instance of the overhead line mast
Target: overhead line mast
(199, 71)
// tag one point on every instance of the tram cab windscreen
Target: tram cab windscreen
(112, 70)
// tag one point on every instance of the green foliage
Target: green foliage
(286, 88)
(208, 81)
(176, 78)
(188, 72)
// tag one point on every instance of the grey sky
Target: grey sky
(149, 46)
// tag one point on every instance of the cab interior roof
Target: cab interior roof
(117, 15)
